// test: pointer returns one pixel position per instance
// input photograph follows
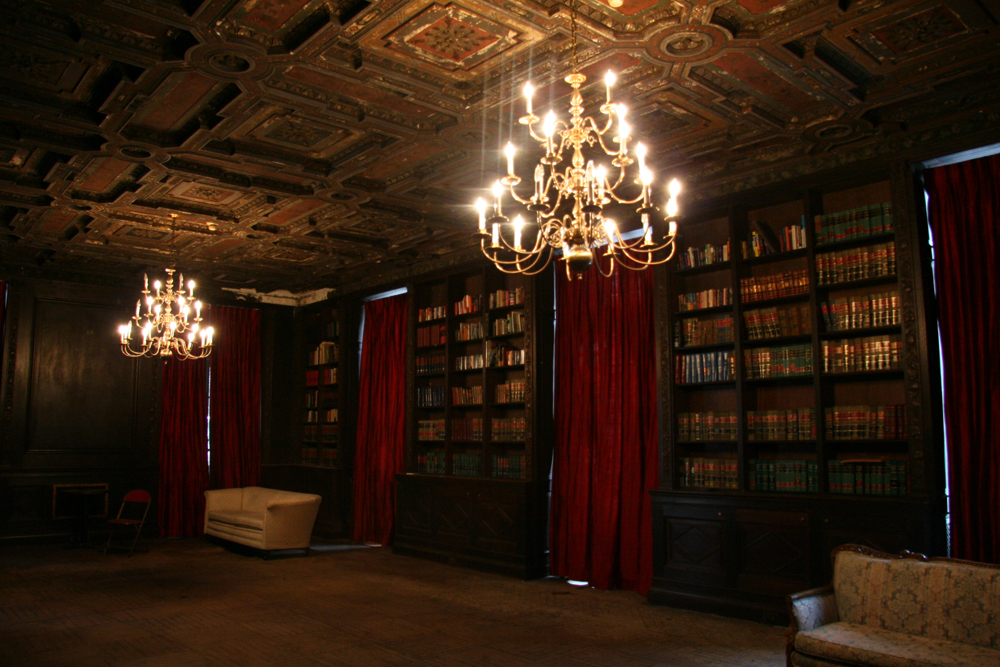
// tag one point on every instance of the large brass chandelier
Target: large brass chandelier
(569, 200)
(169, 329)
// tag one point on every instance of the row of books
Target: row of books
(774, 286)
(319, 433)
(706, 426)
(469, 362)
(468, 304)
(867, 477)
(469, 331)
(778, 362)
(709, 473)
(323, 456)
(325, 353)
(763, 241)
(510, 392)
(777, 321)
(709, 298)
(431, 463)
(430, 429)
(322, 416)
(861, 311)
(500, 356)
(690, 332)
(431, 313)
(467, 395)
(858, 355)
(783, 475)
(502, 298)
(507, 466)
(312, 399)
(513, 323)
(436, 334)
(705, 367)
(321, 376)
(467, 428)
(332, 329)
(854, 223)
(431, 397)
(865, 422)
(465, 465)
(711, 254)
(781, 425)
(856, 264)
(428, 364)
(508, 429)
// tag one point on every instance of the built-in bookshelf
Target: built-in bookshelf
(788, 396)
(321, 403)
(470, 377)
(475, 418)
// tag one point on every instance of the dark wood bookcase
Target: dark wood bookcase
(479, 406)
(798, 411)
(320, 457)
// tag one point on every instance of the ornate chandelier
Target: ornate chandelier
(569, 201)
(168, 319)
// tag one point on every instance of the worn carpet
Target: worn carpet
(188, 602)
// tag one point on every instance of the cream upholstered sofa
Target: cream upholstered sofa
(266, 519)
(898, 611)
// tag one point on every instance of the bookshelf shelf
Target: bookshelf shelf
(741, 484)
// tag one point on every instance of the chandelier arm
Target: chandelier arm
(518, 263)
(600, 269)
(517, 198)
(624, 201)
(641, 263)
(600, 137)
(511, 248)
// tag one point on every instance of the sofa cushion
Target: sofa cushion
(935, 600)
(875, 647)
(255, 498)
(241, 518)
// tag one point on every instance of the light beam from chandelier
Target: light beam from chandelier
(168, 330)
(569, 204)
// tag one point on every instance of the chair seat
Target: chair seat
(864, 645)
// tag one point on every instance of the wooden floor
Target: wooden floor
(188, 602)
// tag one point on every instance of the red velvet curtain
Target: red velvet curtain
(380, 443)
(606, 450)
(183, 449)
(965, 218)
(236, 397)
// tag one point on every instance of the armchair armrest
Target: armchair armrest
(808, 610)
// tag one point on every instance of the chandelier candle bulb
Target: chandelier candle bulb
(518, 224)
(481, 208)
(509, 150)
(609, 80)
(496, 234)
(528, 92)
(497, 192)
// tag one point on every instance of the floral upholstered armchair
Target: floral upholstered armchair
(898, 611)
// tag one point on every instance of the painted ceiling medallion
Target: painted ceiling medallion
(451, 37)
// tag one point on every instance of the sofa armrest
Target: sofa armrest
(808, 610)
(288, 522)
(224, 499)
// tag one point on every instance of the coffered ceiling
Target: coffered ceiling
(302, 144)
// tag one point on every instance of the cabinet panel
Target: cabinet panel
(774, 551)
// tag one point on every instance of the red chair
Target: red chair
(132, 513)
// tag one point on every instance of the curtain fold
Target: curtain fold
(606, 456)
(964, 207)
(379, 455)
(235, 405)
(183, 449)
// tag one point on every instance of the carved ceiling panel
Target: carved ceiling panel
(301, 144)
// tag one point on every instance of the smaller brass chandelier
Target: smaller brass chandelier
(169, 329)
(569, 203)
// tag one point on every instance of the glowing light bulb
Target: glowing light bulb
(646, 176)
(671, 208)
(640, 151)
(610, 228)
(481, 208)
(674, 188)
(528, 92)
(518, 224)
(509, 150)
(609, 80)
